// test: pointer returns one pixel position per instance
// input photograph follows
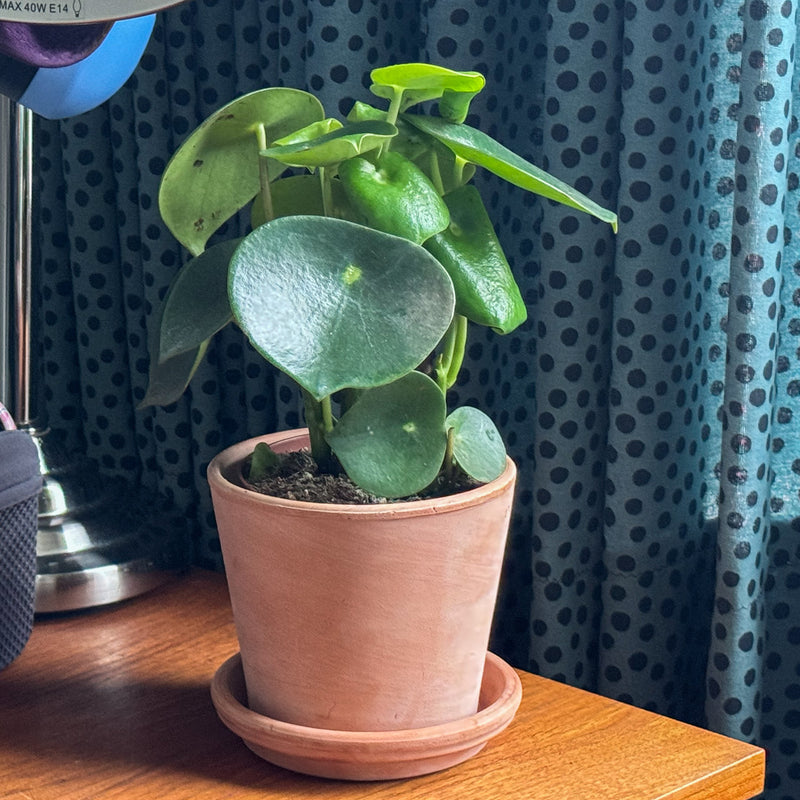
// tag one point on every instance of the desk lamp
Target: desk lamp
(58, 59)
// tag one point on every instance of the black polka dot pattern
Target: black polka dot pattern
(652, 400)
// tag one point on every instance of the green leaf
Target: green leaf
(263, 460)
(313, 131)
(439, 163)
(420, 82)
(215, 171)
(168, 380)
(332, 147)
(335, 304)
(478, 148)
(302, 194)
(392, 441)
(486, 292)
(477, 445)
(196, 305)
(296, 194)
(394, 196)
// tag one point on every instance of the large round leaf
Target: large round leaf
(393, 440)
(215, 171)
(335, 304)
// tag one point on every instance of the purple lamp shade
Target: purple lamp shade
(51, 45)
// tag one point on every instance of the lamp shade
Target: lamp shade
(63, 57)
(61, 92)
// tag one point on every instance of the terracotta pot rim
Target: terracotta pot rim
(222, 470)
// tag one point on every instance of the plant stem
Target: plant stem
(394, 107)
(327, 414)
(445, 358)
(459, 350)
(319, 419)
(436, 173)
(449, 461)
(451, 358)
(458, 170)
(392, 114)
(263, 174)
(327, 195)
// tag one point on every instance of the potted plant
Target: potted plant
(364, 614)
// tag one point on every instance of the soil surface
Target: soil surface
(297, 477)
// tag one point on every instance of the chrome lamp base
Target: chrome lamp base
(98, 542)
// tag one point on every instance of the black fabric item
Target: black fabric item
(15, 77)
(20, 483)
(20, 475)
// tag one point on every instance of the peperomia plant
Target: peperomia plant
(370, 252)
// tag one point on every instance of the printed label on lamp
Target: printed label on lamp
(77, 11)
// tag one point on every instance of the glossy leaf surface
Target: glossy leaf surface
(393, 440)
(394, 196)
(335, 304)
(486, 292)
(437, 161)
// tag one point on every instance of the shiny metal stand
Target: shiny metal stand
(98, 541)
(6, 178)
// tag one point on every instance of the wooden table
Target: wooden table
(114, 703)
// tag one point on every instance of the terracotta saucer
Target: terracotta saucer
(371, 755)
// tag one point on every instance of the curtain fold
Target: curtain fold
(651, 401)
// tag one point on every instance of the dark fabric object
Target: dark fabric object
(20, 483)
(51, 45)
(14, 77)
(19, 468)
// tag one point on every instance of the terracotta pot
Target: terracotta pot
(360, 618)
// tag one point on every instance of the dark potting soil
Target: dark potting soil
(297, 477)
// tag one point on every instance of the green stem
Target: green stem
(327, 414)
(449, 460)
(451, 358)
(445, 358)
(263, 174)
(458, 170)
(459, 349)
(394, 107)
(327, 195)
(319, 419)
(392, 114)
(436, 173)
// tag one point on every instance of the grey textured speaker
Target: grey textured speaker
(20, 484)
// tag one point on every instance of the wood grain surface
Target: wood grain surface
(113, 704)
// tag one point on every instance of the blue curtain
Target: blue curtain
(652, 401)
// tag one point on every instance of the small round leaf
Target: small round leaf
(392, 441)
(477, 445)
